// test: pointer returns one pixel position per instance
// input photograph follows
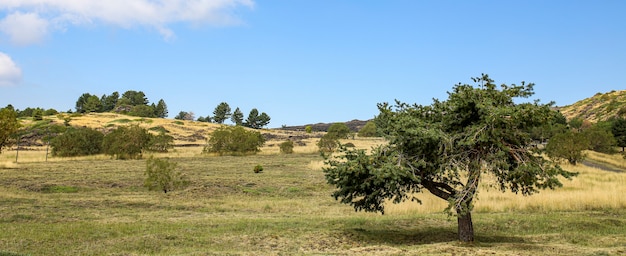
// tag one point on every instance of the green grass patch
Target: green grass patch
(99, 207)
(59, 189)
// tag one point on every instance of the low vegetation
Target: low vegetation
(99, 206)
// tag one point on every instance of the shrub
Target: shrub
(77, 142)
(338, 131)
(308, 129)
(126, 142)
(258, 168)
(286, 147)
(161, 175)
(328, 143)
(369, 130)
(234, 140)
(160, 143)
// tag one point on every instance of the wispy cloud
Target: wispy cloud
(29, 21)
(10, 73)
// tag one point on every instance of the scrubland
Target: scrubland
(97, 206)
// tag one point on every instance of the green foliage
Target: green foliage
(142, 111)
(160, 143)
(161, 175)
(38, 115)
(109, 102)
(161, 109)
(126, 142)
(600, 138)
(256, 120)
(234, 140)
(327, 144)
(88, 103)
(445, 148)
(77, 142)
(221, 113)
(133, 98)
(576, 123)
(338, 131)
(8, 127)
(618, 128)
(308, 129)
(258, 168)
(286, 147)
(567, 146)
(237, 117)
(369, 130)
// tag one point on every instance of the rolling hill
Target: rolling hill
(599, 107)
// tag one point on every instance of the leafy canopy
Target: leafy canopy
(445, 148)
(8, 126)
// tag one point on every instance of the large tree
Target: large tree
(8, 126)
(447, 148)
(221, 113)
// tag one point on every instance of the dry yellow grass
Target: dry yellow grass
(592, 189)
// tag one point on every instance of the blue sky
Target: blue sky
(304, 61)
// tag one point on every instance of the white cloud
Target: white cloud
(10, 73)
(155, 14)
(24, 28)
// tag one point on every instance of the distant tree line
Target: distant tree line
(223, 112)
(134, 103)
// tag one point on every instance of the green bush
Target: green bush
(338, 131)
(258, 168)
(328, 143)
(161, 174)
(160, 143)
(369, 130)
(77, 142)
(126, 142)
(234, 140)
(286, 147)
(567, 146)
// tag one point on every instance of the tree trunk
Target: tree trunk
(466, 227)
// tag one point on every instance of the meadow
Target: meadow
(98, 206)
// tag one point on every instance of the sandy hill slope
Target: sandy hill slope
(185, 133)
(600, 107)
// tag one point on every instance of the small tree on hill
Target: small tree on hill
(237, 117)
(234, 140)
(161, 174)
(446, 148)
(221, 113)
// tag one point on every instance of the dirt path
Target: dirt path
(602, 166)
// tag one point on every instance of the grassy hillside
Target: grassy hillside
(600, 107)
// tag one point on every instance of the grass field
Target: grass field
(97, 206)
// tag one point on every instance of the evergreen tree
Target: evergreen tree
(237, 117)
(161, 109)
(446, 148)
(221, 113)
